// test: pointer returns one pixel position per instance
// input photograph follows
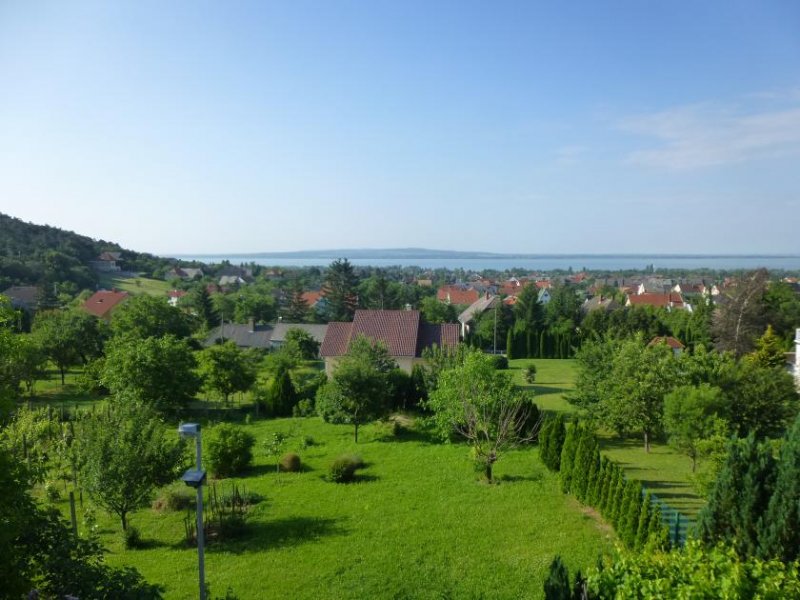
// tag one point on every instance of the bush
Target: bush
(230, 450)
(51, 491)
(174, 498)
(343, 469)
(290, 463)
(500, 362)
(304, 408)
(132, 538)
(530, 373)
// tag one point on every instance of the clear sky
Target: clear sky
(560, 127)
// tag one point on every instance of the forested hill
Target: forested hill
(43, 255)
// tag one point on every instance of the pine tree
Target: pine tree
(779, 538)
(739, 499)
(616, 497)
(558, 435)
(585, 457)
(557, 586)
(282, 396)
(599, 482)
(657, 530)
(544, 441)
(628, 520)
(591, 480)
(608, 484)
(644, 522)
(568, 455)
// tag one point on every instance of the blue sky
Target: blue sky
(188, 127)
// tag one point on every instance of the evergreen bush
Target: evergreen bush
(290, 463)
(344, 468)
(568, 455)
(557, 585)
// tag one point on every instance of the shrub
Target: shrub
(51, 491)
(174, 498)
(308, 441)
(304, 408)
(290, 463)
(132, 538)
(500, 362)
(556, 586)
(530, 373)
(343, 469)
(230, 450)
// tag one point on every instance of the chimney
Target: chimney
(252, 324)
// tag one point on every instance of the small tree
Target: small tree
(568, 451)
(225, 369)
(303, 342)
(530, 373)
(779, 537)
(481, 405)
(282, 396)
(126, 452)
(690, 415)
(557, 585)
(230, 450)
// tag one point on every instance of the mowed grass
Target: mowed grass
(135, 285)
(554, 378)
(662, 470)
(418, 524)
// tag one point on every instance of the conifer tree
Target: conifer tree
(629, 517)
(557, 586)
(599, 482)
(615, 498)
(657, 530)
(643, 528)
(282, 395)
(740, 496)
(608, 484)
(591, 480)
(558, 434)
(582, 464)
(568, 455)
(510, 344)
(779, 537)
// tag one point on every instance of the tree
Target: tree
(297, 310)
(691, 414)
(225, 369)
(738, 321)
(125, 452)
(739, 499)
(154, 371)
(198, 300)
(149, 316)
(38, 550)
(779, 537)
(557, 586)
(340, 291)
(434, 311)
(358, 391)
(282, 396)
(480, 404)
(633, 392)
(68, 337)
(551, 441)
(769, 350)
(303, 343)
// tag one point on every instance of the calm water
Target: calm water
(542, 263)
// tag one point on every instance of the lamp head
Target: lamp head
(189, 430)
(194, 478)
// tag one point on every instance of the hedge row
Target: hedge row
(598, 482)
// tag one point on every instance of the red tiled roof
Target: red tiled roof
(311, 298)
(401, 330)
(543, 284)
(457, 295)
(102, 302)
(657, 300)
(510, 300)
(669, 341)
(176, 293)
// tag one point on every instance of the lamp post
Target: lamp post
(194, 478)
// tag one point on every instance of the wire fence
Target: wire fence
(677, 522)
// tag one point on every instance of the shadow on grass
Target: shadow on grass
(149, 544)
(517, 478)
(418, 434)
(546, 389)
(280, 533)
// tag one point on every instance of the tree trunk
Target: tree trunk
(124, 517)
(62, 371)
(694, 464)
(489, 471)
(356, 436)
(646, 441)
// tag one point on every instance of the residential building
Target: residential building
(101, 304)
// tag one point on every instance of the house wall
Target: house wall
(406, 363)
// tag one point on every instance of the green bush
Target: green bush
(500, 362)
(530, 373)
(174, 497)
(230, 450)
(343, 469)
(132, 538)
(304, 408)
(290, 463)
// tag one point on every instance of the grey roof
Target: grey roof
(245, 336)
(478, 307)
(23, 296)
(314, 330)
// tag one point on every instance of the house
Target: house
(107, 262)
(655, 286)
(280, 328)
(101, 304)
(544, 295)
(457, 294)
(248, 335)
(675, 344)
(403, 332)
(228, 280)
(25, 297)
(175, 296)
(477, 308)
(599, 302)
(669, 301)
(185, 273)
(793, 359)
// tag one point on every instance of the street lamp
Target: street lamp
(194, 478)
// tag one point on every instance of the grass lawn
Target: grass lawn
(554, 378)
(418, 524)
(662, 470)
(135, 285)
